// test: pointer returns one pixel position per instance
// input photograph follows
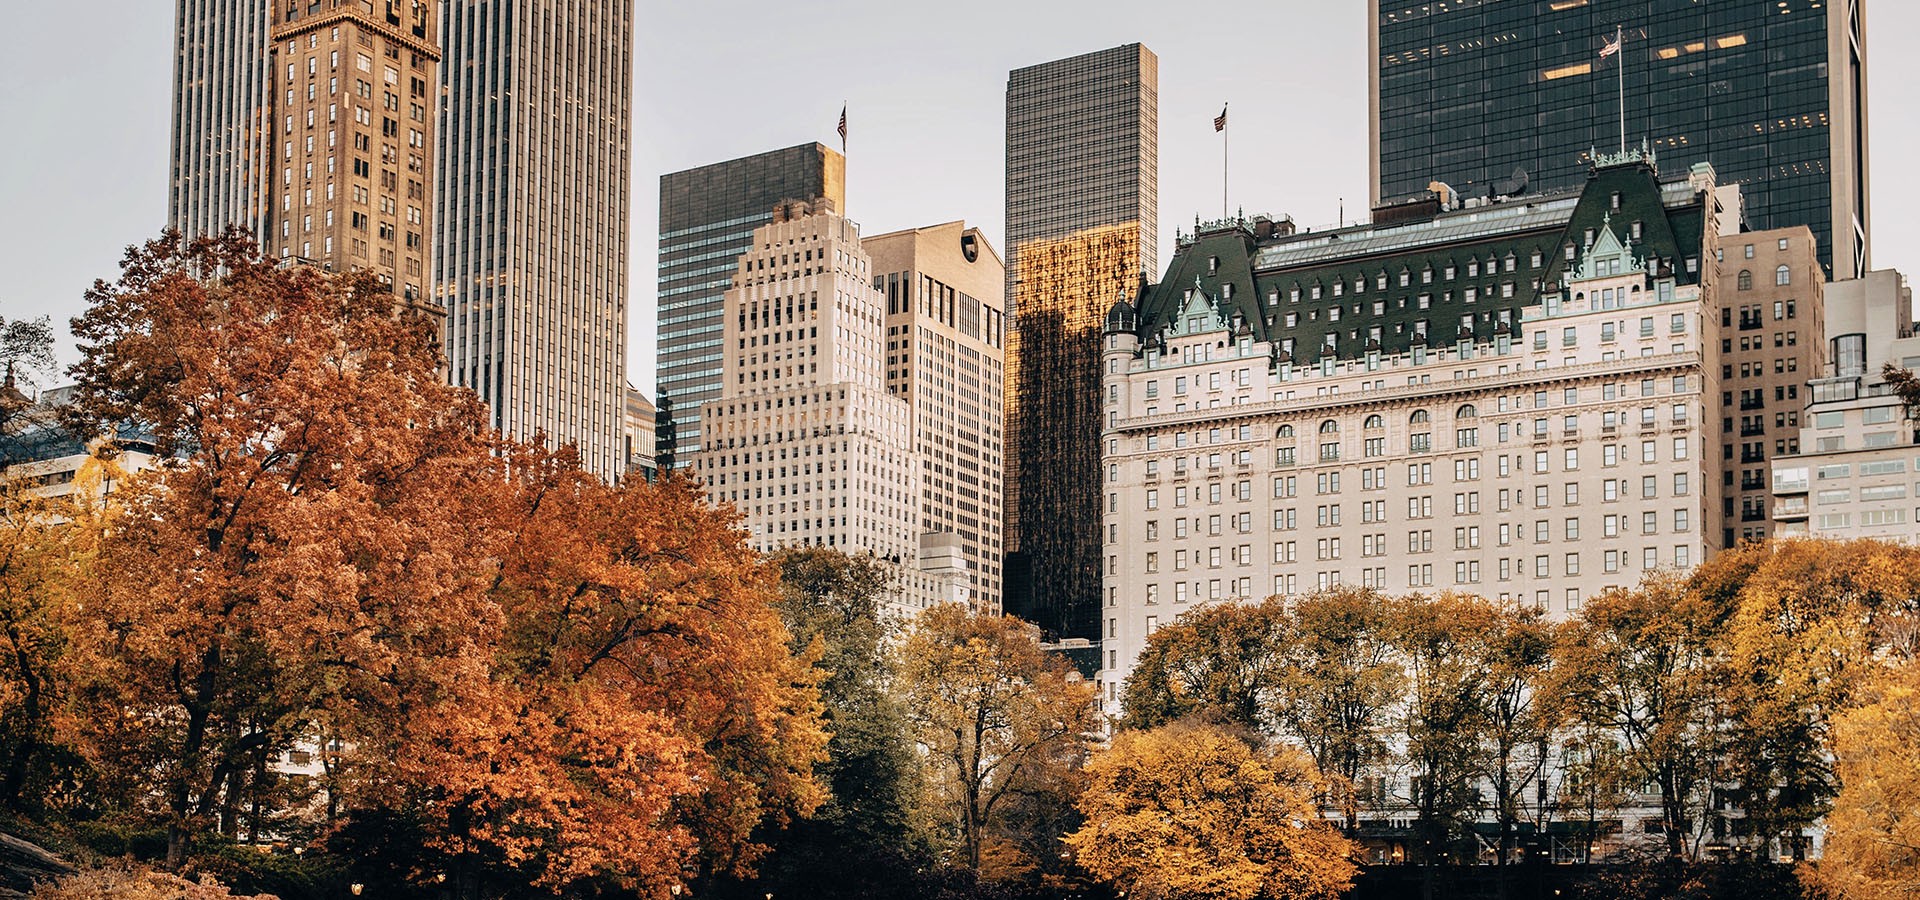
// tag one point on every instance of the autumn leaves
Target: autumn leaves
(551, 681)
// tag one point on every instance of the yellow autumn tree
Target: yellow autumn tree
(1873, 830)
(1194, 810)
(995, 715)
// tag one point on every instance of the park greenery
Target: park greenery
(344, 634)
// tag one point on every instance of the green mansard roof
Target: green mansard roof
(1257, 279)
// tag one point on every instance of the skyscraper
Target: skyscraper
(530, 246)
(804, 438)
(707, 219)
(221, 110)
(1771, 92)
(946, 356)
(311, 125)
(1082, 212)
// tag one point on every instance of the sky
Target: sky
(83, 168)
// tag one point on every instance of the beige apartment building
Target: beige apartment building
(1857, 473)
(946, 356)
(311, 124)
(1769, 330)
(1511, 398)
(805, 440)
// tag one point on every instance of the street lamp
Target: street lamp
(356, 888)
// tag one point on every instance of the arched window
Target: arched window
(1746, 280)
(1374, 421)
(1466, 412)
(1419, 417)
(1783, 275)
(1330, 426)
(1286, 433)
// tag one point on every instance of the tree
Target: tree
(26, 348)
(993, 712)
(1442, 642)
(1222, 662)
(1904, 385)
(1873, 833)
(1636, 665)
(1805, 628)
(46, 550)
(1194, 810)
(519, 668)
(642, 716)
(866, 828)
(300, 567)
(1517, 717)
(1340, 681)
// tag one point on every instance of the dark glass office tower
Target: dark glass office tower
(707, 218)
(1082, 212)
(1771, 92)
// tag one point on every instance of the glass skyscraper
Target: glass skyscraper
(707, 218)
(1082, 212)
(1472, 93)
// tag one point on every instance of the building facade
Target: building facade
(313, 126)
(531, 234)
(1082, 209)
(946, 356)
(707, 219)
(1507, 98)
(222, 108)
(640, 423)
(1769, 332)
(804, 439)
(1512, 399)
(1857, 474)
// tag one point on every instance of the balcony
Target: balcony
(1753, 456)
(1753, 403)
(1752, 430)
(1753, 515)
(1790, 508)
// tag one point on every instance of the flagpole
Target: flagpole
(1619, 40)
(1224, 125)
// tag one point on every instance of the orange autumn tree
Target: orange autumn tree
(643, 716)
(1193, 810)
(302, 566)
(546, 678)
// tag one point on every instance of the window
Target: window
(1783, 275)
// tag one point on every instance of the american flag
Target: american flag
(1220, 121)
(1612, 47)
(843, 125)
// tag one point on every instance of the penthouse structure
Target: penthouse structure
(1857, 472)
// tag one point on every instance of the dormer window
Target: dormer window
(1213, 264)
(1635, 229)
(1226, 291)
(1449, 273)
(1616, 199)
(1473, 268)
(1339, 288)
(1314, 292)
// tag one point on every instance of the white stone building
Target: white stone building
(805, 440)
(1509, 400)
(1858, 471)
